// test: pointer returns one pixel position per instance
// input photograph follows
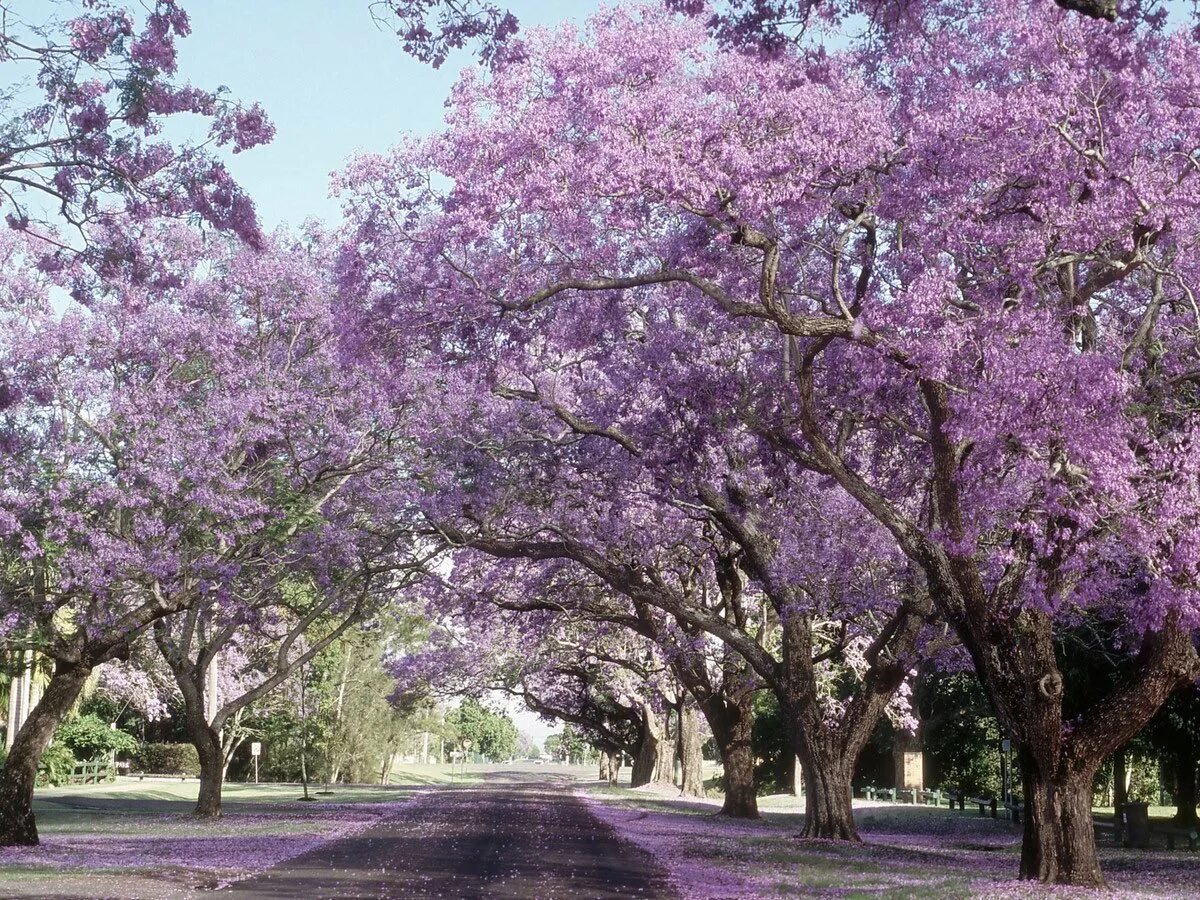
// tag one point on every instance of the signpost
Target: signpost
(466, 749)
(256, 752)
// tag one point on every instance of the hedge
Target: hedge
(168, 759)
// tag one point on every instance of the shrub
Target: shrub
(168, 759)
(56, 766)
(91, 738)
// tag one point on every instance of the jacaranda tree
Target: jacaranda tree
(166, 447)
(953, 280)
(83, 150)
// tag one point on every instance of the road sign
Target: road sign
(256, 749)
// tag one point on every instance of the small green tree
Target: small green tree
(492, 735)
(91, 738)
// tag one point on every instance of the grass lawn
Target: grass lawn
(134, 838)
(907, 852)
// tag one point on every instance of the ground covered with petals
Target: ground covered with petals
(906, 852)
(141, 841)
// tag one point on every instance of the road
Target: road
(514, 835)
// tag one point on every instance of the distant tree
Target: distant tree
(492, 735)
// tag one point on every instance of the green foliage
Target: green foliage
(351, 730)
(56, 766)
(960, 734)
(168, 759)
(569, 746)
(773, 770)
(492, 735)
(1145, 779)
(90, 738)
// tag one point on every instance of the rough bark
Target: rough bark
(1014, 655)
(212, 769)
(645, 762)
(1058, 765)
(691, 755)
(732, 724)
(1059, 843)
(614, 765)
(17, 777)
(828, 797)
(828, 749)
(605, 767)
(741, 796)
(664, 766)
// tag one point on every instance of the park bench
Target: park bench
(163, 776)
(956, 798)
(91, 772)
(984, 804)
(1014, 807)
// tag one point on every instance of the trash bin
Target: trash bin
(1135, 819)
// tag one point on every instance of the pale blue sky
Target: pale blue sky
(332, 81)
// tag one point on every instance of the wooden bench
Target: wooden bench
(984, 804)
(92, 772)
(1014, 807)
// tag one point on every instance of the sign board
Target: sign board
(256, 749)
(910, 770)
(1006, 745)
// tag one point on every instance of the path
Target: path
(514, 835)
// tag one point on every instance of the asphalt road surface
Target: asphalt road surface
(513, 835)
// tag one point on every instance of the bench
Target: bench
(92, 772)
(1014, 807)
(984, 804)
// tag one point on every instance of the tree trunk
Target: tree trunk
(691, 752)
(828, 796)
(1059, 843)
(1185, 785)
(646, 761)
(605, 767)
(732, 725)
(664, 766)
(212, 770)
(17, 824)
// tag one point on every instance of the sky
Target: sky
(333, 82)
